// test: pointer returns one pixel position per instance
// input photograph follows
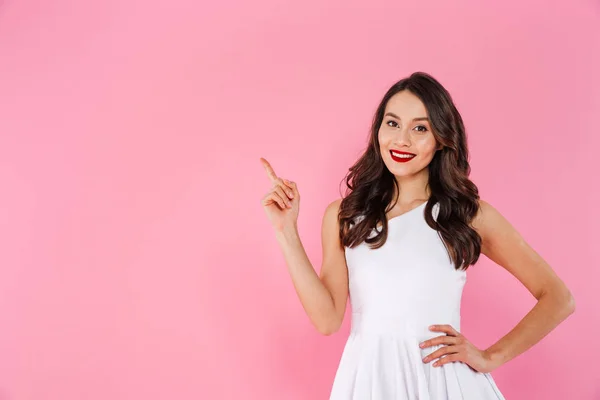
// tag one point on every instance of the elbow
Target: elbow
(570, 304)
(326, 332)
(329, 328)
(566, 301)
(562, 298)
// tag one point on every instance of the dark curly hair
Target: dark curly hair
(371, 186)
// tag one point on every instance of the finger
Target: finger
(290, 188)
(294, 187)
(283, 195)
(270, 172)
(440, 352)
(447, 359)
(445, 339)
(281, 183)
(275, 198)
(281, 200)
(268, 199)
(448, 329)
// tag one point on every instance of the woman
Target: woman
(399, 244)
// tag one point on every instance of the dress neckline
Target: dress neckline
(405, 213)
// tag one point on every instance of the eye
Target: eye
(395, 124)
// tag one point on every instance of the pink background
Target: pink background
(136, 261)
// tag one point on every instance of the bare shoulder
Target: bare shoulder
(483, 214)
(334, 207)
(492, 226)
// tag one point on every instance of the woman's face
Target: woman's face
(405, 128)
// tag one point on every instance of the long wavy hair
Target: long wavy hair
(371, 186)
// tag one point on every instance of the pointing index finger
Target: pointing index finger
(269, 169)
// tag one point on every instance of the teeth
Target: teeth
(402, 155)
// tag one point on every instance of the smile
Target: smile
(401, 156)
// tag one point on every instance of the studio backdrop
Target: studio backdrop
(136, 261)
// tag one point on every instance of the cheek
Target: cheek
(382, 135)
(384, 141)
(427, 147)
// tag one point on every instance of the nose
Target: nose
(402, 138)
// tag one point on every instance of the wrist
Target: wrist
(287, 232)
(494, 357)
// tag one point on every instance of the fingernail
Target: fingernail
(425, 359)
(291, 194)
(422, 345)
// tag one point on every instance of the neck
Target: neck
(412, 189)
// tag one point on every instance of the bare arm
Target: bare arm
(506, 247)
(323, 297)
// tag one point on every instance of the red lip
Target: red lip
(402, 160)
(402, 152)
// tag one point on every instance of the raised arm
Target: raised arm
(323, 297)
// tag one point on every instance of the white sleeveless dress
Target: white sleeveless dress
(396, 292)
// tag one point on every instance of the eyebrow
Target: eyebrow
(414, 119)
